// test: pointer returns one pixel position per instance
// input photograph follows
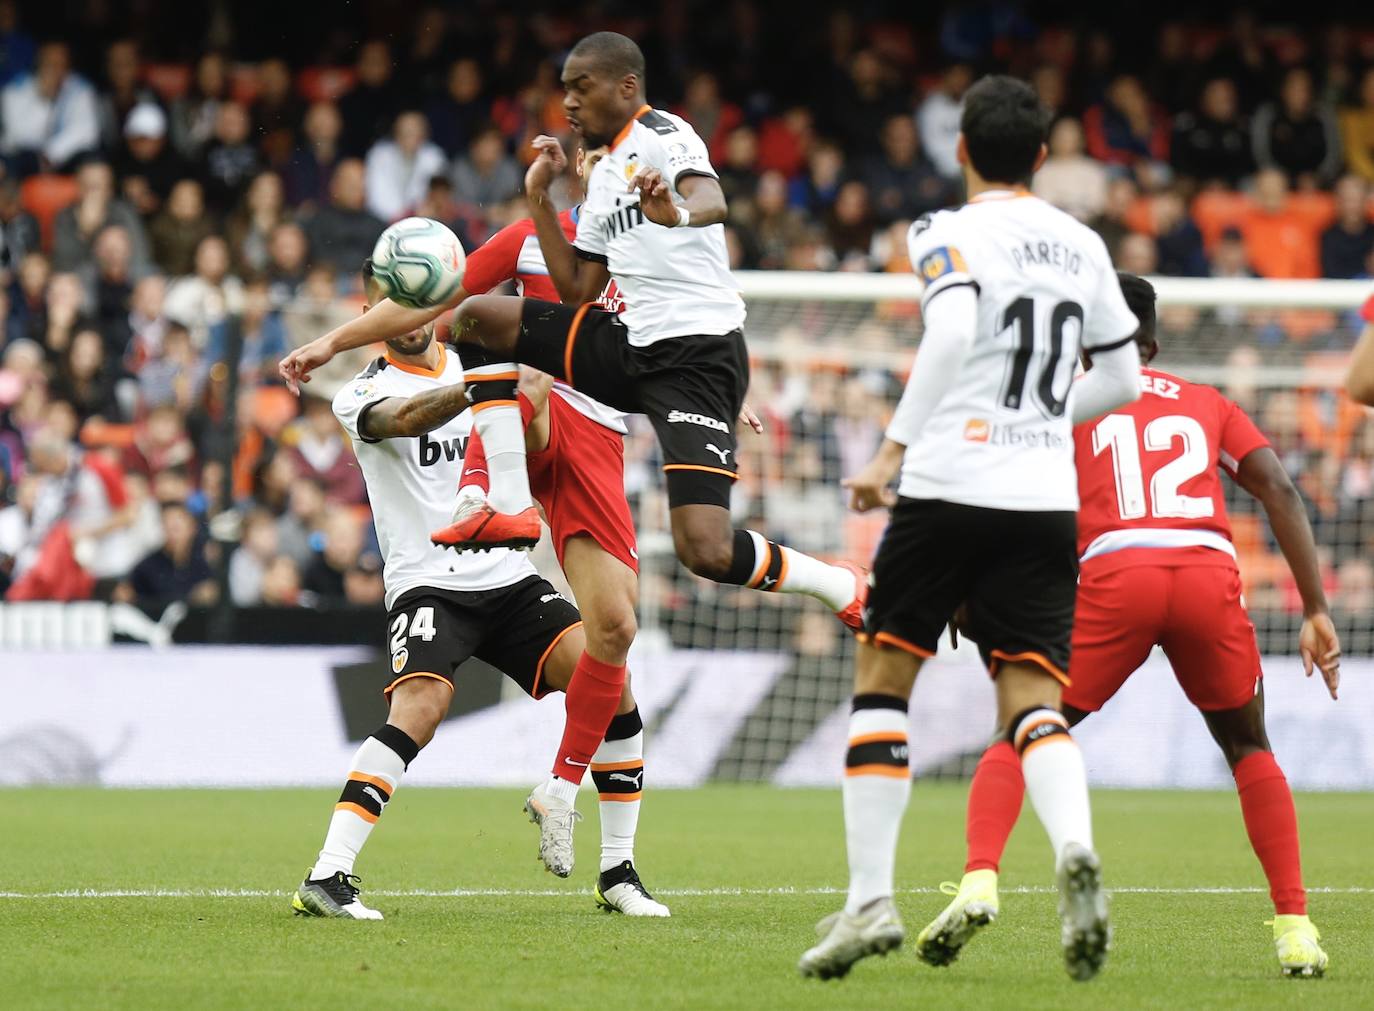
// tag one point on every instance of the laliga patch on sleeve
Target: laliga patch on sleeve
(941, 261)
(365, 390)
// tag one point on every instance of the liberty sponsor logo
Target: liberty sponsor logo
(976, 430)
(676, 417)
(1007, 437)
(434, 450)
(722, 453)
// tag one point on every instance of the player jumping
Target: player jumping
(408, 416)
(986, 515)
(1159, 568)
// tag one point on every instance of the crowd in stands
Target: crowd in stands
(163, 210)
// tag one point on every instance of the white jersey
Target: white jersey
(676, 281)
(1002, 435)
(411, 484)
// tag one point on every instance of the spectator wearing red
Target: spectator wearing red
(1211, 146)
(319, 449)
(785, 141)
(1126, 128)
(1298, 134)
(1278, 242)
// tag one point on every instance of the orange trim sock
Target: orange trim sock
(593, 694)
(994, 804)
(618, 771)
(1055, 777)
(496, 418)
(762, 564)
(1271, 822)
(377, 769)
(877, 786)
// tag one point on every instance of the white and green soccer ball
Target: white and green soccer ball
(418, 262)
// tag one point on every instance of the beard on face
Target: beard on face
(413, 343)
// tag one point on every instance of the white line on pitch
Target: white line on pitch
(465, 893)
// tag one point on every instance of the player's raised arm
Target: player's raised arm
(1262, 475)
(1359, 381)
(405, 418)
(578, 278)
(386, 320)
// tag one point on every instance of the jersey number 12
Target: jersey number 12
(1117, 432)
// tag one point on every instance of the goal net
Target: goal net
(830, 356)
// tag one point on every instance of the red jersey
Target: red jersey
(513, 254)
(1147, 472)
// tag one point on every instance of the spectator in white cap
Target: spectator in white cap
(49, 115)
(148, 167)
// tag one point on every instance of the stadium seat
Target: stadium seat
(97, 434)
(325, 84)
(1214, 211)
(44, 196)
(169, 80)
(273, 407)
(243, 82)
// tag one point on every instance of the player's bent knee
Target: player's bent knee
(609, 636)
(704, 553)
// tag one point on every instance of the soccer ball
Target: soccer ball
(418, 262)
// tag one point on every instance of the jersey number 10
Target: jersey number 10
(1021, 315)
(1117, 432)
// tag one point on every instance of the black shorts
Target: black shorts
(1016, 571)
(691, 388)
(430, 631)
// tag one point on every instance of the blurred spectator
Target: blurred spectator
(148, 167)
(277, 112)
(258, 545)
(315, 310)
(1111, 223)
(122, 92)
(49, 117)
(486, 175)
(369, 108)
(231, 160)
(28, 312)
(1357, 130)
(363, 585)
(263, 334)
(814, 192)
(784, 142)
(1069, 179)
(96, 207)
(1346, 245)
(249, 230)
(288, 260)
(862, 104)
(1211, 146)
(1051, 89)
(280, 585)
(850, 226)
(776, 226)
(1126, 129)
(312, 163)
(901, 183)
(712, 118)
(173, 375)
(66, 302)
(738, 171)
(938, 118)
(343, 233)
(1278, 241)
(1297, 134)
(19, 231)
(179, 230)
(146, 322)
(160, 443)
(109, 286)
(195, 114)
(1177, 240)
(339, 553)
(17, 48)
(317, 446)
(85, 380)
(203, 300)
(305, 512)
(178, 571)
(1137, 254)
(456, 115)
(399, 169)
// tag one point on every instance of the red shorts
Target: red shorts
(579, 479)
(1191, 606)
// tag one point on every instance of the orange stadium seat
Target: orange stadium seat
(325, 84)
(1214, 211)
(273, 407)
(44, 196)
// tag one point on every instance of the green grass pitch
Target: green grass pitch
(745, 870)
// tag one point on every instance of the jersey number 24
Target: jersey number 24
(1117, 433)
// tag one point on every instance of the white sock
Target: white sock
(618, 771)
(832, 585)
(877, 785)
(376, 771)
(503, 437)
(562, 789)
(1055, 777)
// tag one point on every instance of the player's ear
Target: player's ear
(961, 150)
(629, 85)
(1040, 158)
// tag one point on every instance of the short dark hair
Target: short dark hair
(1140, 299)
(615, 54)
(1004, 126)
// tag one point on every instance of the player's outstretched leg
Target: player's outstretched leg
(1271, 822)
(618, 771)
(877, 786)
(709, 545)
(1058, 786)
(330, 886)
(994, 804)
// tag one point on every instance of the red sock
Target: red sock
(592, 697)
(1272, 824)
(994, 804)
(475, 456)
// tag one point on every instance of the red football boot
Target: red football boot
(477, 526)
(852, 615)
